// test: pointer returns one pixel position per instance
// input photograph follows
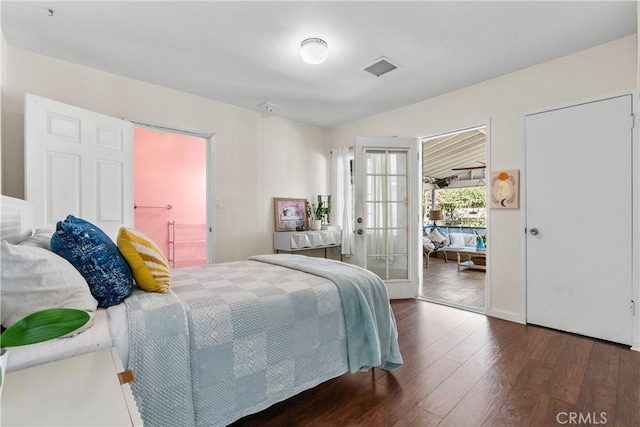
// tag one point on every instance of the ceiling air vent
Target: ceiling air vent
(380, 66)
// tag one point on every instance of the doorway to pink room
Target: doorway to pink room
(170, 193)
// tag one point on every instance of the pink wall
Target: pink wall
(170, 169)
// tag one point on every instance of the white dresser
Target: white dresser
(294, 241)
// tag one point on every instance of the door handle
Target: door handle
(359, 220)
(534, 231)
(359, 231)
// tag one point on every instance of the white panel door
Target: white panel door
(387, 210)
(579, 218)
(78, 162)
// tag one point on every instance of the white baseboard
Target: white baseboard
(512, 317)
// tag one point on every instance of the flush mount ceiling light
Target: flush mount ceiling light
(314, 51)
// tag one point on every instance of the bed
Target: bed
(231, 339)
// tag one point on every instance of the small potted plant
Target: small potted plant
(37, 327)
(316, 215)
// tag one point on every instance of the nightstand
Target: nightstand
(83, 390)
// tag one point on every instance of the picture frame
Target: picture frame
(505, 189)
(290, 213)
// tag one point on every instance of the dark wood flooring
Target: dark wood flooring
(442, 282)
(465, 369)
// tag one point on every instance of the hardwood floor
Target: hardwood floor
(465, 369)
(442, 282)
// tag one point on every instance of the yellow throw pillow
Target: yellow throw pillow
(148, 264)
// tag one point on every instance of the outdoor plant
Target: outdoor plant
(457, 202)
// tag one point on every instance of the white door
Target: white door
(78, 162)
(387, 210)
(579, 217)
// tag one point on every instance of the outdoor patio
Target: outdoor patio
(442, 282)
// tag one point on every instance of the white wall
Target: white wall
(257, 157)
(263, 157)
(502, 102)
(3, 73)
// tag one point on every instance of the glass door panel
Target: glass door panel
(387, 206)
(386, 213)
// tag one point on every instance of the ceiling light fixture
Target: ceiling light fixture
(314, 51)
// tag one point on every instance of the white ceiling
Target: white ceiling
(246, 53)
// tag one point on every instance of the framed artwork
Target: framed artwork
(505, 192)
(290, 213)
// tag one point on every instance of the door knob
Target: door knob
(359, 231)
(534, 231)
(359, 220)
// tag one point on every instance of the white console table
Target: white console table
(294, 241)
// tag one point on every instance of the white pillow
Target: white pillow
(428, 244)
(457, 240)
(41, 238)
(34, 279)
(471, 240)
(435, 236)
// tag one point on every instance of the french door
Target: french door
(387, 210)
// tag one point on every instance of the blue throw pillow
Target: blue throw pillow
(96, 257)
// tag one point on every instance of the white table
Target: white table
(81, 391)
(471, 253)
